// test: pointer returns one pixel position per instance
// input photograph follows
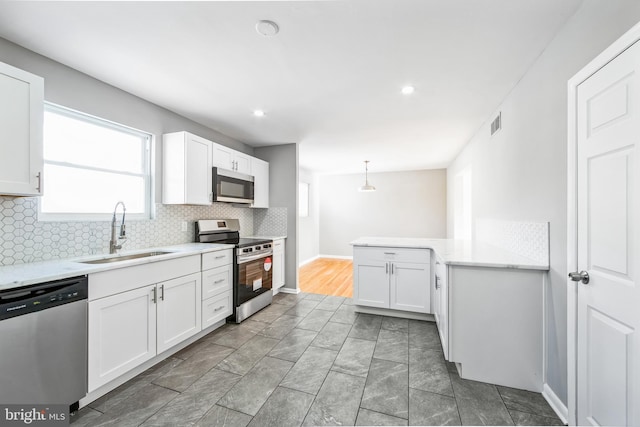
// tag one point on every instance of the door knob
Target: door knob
(583, 277)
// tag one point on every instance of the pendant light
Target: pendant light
(366, 187)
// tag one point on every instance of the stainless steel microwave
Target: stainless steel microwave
(232, 187)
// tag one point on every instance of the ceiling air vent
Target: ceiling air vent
(496, 124)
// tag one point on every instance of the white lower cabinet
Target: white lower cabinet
(122, 334)
(278, 264)
(217, 287)
(398, 279)
(138, 312)
(179, 310)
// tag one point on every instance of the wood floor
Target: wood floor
(327, 276)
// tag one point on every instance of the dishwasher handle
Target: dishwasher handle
(42, 296)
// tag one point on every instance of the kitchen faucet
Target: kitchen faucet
(113, 247)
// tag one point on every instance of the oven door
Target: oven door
(254, 277)
(232, 187)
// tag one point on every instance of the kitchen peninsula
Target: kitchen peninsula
(487, 302)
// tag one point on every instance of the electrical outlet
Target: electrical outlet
(184, 225)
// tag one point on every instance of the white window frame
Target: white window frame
(147, 155)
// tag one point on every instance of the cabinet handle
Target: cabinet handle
(437, 282)
(218, 281)
(161, 292)
(39, 187)
(154, 298)
(219, 308)
(391, 268)
(211, 197)
(386, 268)
(220, 257)
(389, 253)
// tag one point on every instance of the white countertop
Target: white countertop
(267, 237)
(458, 252)
(18, 275)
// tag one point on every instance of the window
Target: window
(303, 209)
(90, 164)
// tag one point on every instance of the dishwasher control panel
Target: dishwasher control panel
(29, 299)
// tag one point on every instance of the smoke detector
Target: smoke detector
(267, 28)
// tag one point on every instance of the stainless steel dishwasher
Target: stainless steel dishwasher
(43, 336)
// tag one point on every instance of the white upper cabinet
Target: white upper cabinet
(21, 117)
(228, 158)
(187, 169)
(260, 170)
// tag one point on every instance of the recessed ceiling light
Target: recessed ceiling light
(267, 28)
(408, 90)
(258, 113)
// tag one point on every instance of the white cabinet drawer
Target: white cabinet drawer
(393, 254)
(216, 308)
(216, 280)
(216, 259)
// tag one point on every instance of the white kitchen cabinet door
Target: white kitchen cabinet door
(371, 283)
(260, 170)
(410, 287)
(122, 334)
(230, 159)
(187, 169)
(243, 163)
(21, 118)
(179, 310)
(223, 157)
(217, 308)
(278, 264)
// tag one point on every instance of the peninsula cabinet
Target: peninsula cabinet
(398, 279)
(21, 118)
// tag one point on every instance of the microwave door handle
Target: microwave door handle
(214, 184)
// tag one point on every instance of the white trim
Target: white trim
(350, 257)
(619, 46)
(307, 261)
(289, 290)
(556, 404)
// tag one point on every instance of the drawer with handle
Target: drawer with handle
(217, 259)
(216, 280)
(216, 308)
(393, 254)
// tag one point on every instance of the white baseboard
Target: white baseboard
(289, 290)
(350, 257)
(307, 261)
(555, 403)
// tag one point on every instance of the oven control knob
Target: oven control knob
(246, 250)
(258, 248)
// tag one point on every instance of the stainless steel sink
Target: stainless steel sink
(119, 258)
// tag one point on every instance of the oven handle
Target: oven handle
(244, 260)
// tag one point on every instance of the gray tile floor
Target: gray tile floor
(311, 360)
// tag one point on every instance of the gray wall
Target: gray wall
(283, 193)
(406, 204)
(309, 238)
(521, 173)
(24, 239)
(73, 89)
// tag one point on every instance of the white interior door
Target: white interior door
(608, 308)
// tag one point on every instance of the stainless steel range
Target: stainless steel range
(253, 258)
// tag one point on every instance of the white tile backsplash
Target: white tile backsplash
(24, 239)
(270, 222)
(529, 239)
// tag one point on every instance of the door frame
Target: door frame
(619, 46)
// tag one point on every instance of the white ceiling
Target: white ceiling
(330, 80)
